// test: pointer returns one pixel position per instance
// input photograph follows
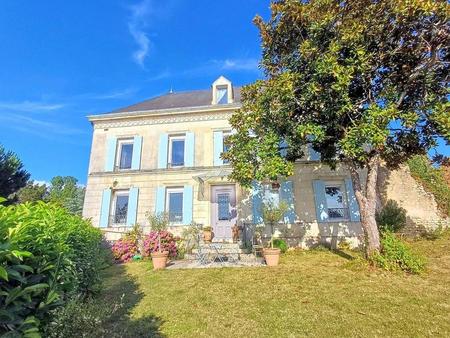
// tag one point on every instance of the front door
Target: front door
(224, 212)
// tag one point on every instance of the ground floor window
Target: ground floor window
(174, 204)
(120, 207)
(336, 201)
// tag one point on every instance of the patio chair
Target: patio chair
(201, 256)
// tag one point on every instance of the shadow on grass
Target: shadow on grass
(123, 293)
(343, 254)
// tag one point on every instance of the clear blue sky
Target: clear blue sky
(63, 60)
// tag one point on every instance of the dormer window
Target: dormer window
(222, 94)
(222, 91)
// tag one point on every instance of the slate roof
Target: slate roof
(195, 98)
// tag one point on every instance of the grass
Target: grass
(315, 293)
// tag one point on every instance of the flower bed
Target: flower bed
(168, 243)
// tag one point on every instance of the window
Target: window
(222, 94)
(271, 193)
(125, 152)
(223, 202)
(336, 204)
(174, 204)
(225, 147)
(120, 207)
(176, 151)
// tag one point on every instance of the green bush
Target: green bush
(433, 180)
(391, 217)
(48, 251)
(280, 244)
(396, 254)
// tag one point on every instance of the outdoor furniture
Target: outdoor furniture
(217, 253)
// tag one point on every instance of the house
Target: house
(163, 155)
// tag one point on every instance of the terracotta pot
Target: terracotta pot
(159, 259)
(272, 256)
(208, 235)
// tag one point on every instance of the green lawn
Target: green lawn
(315, 293)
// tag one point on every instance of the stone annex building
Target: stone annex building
(163, 155)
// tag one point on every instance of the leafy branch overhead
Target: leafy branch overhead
(356, 79)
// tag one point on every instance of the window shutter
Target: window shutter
(105, 206)
(283, 148)
(162, 153)
(313, 155)
(257, 198)
(321, 201)
(132, 206)
(110, 153)
(189, 148)
(218, 147)
(136, 160)
(287, 195)
(188, 195)
(353, 205)
(160, 200)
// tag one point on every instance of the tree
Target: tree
(12, 175)
(361, 81)
(66, 192)
(32, 193)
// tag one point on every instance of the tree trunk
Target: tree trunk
(367, 200)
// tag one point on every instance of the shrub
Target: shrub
(396, 254)
(48, 255)
(391, 217)
(433, 180)
(168, 242)
(280, 244)
(124, 249)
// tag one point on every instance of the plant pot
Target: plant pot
(159, 259)
(272, 256)
(208, 235)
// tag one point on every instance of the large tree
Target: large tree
(65, 191)
(12, 174)
(362, 81)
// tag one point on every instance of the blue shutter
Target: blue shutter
(188, 201)
(105, 206)
(162, 152)
(136, 159)
(257, 198)
(287, 195)
(283, 148)
(132, 206)
(189, 147)
(218, 147)
(353, 205)
(160, 200)
(110, 153)
(313, 155)
(321, 201)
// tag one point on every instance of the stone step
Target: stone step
(243, 257)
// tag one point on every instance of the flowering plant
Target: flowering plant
(159, 241)
(124, 249)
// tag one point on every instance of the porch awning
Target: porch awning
(214, 176)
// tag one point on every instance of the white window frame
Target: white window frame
(341, 186)
(220, 87)
(120, 143)
(167, 204)
(112, 215)
(175, 138)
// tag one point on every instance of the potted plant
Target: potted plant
(272, 213)
(208, 235)
(159, 222)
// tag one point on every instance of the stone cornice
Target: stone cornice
(132, 121)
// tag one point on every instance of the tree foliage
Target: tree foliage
(354, 78)
(65, 191)
(32, 192)
(12, 174)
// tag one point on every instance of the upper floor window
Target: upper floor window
(120, 207)
(225, 146)
(222, 94)
(176, 151)
(174, 204)
(271, 193)
(336, 202)
(124, 154)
